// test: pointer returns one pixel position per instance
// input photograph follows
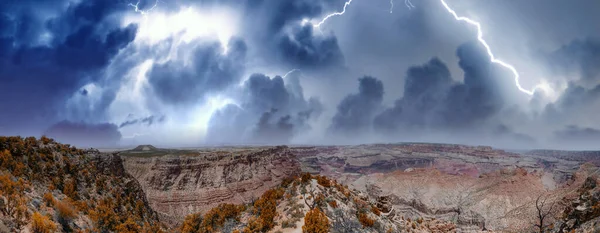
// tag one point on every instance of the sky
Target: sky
(176, 73)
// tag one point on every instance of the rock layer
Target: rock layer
(177, 185)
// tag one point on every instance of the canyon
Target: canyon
(476, 187)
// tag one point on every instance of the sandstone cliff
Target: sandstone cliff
(180, 184)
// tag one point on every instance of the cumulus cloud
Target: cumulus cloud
(99, 61)
(301, 48)
(46, 57)
(578, 59)
(433, 101)
(269, 112)
(356, 111)
(210, 70)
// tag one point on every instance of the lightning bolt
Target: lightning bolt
(318, 25)
(482, 41)
(290, 72)
(409, 4)
(143, 12)
(487, 47)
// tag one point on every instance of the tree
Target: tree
(544, 208)
(315, 221)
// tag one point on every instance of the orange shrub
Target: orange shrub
(375, 210)
(306, 177)
(216, 217)
(212, 220)
(64, 209)
(42, 224)
(192, 223)
(70, 189)
(315, 221)
(323, 181)
(365, 220)
(333, 204)
(48, 199)
(266, 209)
(129, 226)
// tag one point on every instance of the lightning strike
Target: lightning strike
(143, 12)
(333, 14)
(290, 72)
(409, 4)
(487, 47)
(482, 41)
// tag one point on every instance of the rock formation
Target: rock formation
(177, 185)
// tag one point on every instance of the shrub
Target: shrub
(365, 220)
(333, 204)
(255, 225)
(64, 210)
(104, 215)
(42, 224)
(375, 210)
(192, 223)
(213, 220)
(306, 177)
(323, 181)
(315, 221)
(288, 224)
(129, 226)
(48, 199)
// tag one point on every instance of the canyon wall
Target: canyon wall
(178, 184)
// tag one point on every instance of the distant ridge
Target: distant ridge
(145, 148)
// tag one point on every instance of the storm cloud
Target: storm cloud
(212, 72)
(269, 113)
(433, 101)
(38, 73)
(356, 111)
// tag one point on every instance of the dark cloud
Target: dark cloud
(211, 70)
(579, 58)
(148, 121)
(302, 49)
(47, 53)
(82, 134)
(278, 28)
(426, 88)
(268, 113)
(578, 137)
(356, 111)
(433, 101)
(575, 101)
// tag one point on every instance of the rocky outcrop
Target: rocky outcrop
(583, 213)
(177, 185)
